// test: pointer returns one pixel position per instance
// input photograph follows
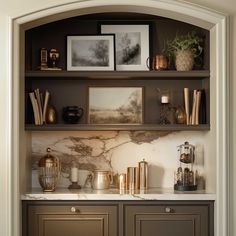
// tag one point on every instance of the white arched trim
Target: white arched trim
(216, 22)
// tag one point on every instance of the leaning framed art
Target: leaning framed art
(131, 43)
(115, 105)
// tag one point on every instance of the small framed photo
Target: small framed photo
(90, 52)
(131, 43)
(115, 105)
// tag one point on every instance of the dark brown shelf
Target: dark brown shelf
(144, 127)
(170, 74)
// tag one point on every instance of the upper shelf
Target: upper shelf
(170, 74)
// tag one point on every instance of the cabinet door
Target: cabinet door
(166, 220)
(72, 220)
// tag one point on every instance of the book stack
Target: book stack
(196, 113)
(39, 104)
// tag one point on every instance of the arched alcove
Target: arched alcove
(218, 136)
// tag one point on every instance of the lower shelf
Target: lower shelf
(89, 127)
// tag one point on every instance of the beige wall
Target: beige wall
(21, 7)
(229, 7)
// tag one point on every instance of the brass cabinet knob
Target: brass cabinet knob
(168, 210)
(74, 210)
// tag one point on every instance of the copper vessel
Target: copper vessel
(158, 62)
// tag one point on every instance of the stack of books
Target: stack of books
(39, 104)
(195, 113)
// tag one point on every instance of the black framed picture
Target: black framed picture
(90, 52)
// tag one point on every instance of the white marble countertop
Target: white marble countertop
(115, 194)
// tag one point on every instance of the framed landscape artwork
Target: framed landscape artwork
(90, 52)
(131, 43)
(115, 105)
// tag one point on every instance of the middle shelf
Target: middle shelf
(78, 89)
(90, 127)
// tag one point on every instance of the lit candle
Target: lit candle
(164, 99)
(74, 174)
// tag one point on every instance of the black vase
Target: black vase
(72, 114)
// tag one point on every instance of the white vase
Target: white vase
(184, 60)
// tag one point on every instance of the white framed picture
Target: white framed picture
(132, 45)
(90, 53)
(115, 105)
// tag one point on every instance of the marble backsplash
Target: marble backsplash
(117, 150)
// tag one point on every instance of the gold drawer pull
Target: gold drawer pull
(74, 210)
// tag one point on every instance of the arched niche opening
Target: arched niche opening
(208, 20)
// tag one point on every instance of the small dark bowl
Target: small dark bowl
(72, 114)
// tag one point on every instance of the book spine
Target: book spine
(45, 105)
(38, 99)
(202, 115)
(193, 121)
(186, 103)
(198, 106)
(35, 108)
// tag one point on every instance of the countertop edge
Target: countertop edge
(115, 195)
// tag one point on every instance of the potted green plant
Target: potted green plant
(184, 48)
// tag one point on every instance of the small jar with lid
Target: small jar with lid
(49, 171)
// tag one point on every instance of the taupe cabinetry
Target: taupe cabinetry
(71, 219)
(167, 220)
(113, 218)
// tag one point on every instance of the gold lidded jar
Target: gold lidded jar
(49, 171)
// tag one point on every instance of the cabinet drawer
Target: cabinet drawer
(72, 220)
(167, 220)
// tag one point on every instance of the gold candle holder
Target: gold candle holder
(121, 181)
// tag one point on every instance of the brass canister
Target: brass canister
(49, 172)
(132, 178)
(143, 175)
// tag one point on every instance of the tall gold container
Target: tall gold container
(143, 175)
(49, 172)
(132, 178)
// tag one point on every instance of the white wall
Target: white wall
(21, 7)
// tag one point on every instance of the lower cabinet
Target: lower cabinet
(118, 218)
(58, 219)
(168, 219)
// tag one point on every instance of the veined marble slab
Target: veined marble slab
(117, 150)
(115, 194)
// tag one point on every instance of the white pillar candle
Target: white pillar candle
(164, 99)
(74, 174)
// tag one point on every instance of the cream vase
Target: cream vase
(184, 60)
